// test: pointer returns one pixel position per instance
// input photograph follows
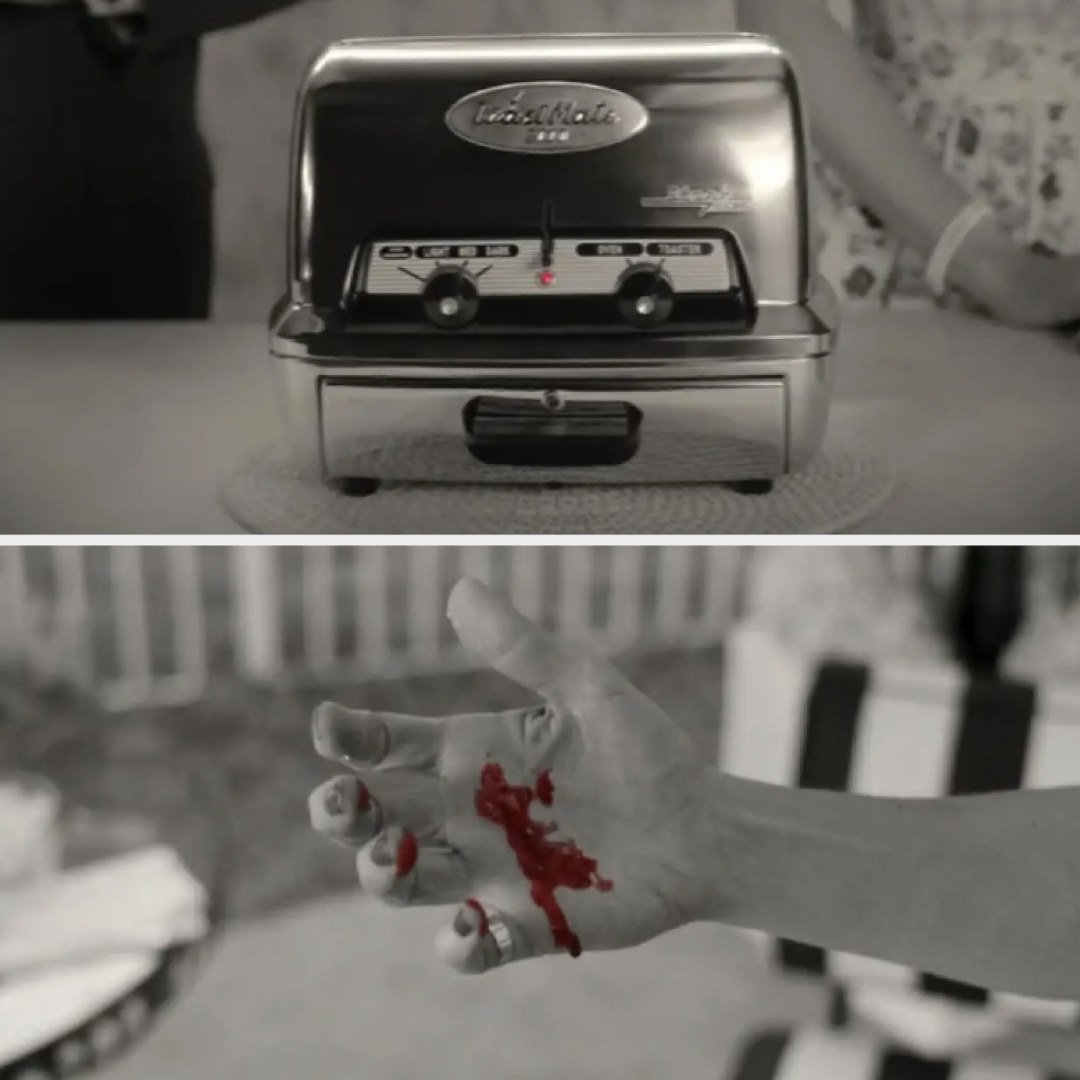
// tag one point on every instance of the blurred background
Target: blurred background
(250, 77)
(166, 692)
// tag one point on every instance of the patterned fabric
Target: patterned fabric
(990, 85)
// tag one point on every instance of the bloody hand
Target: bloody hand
(581, 823)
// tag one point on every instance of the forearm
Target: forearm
(859, 130)
(982, 889)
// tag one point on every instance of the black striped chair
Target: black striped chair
(895, 730)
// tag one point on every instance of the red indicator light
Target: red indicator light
(546, 277)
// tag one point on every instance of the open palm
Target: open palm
(575, 824)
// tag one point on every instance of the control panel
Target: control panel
(634, 281)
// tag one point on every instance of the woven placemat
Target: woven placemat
(269, 494)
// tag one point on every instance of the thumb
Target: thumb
(480, 938)
(498, 633)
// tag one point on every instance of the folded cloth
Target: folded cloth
(931, 1026)
(144, 900)
(46, 1006)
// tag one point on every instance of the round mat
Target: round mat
(269, 494)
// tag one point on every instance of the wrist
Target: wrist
(795, 863)
(984, 264)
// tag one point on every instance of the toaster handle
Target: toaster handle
(550, 433)
(746, 283)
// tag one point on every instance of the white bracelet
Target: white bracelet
(950, 242)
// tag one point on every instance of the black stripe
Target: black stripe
(832, 716)
(801, 959)
(898, 1065)
(761, 1058)
(833, 707)
(995, 729)
(955, 991)
(839, 1016)
(991, 751)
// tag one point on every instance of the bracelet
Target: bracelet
(950, 242)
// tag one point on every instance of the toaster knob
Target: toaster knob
(451, 297)
(645, 295)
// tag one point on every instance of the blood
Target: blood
(407, 854)
(545, 789)
(482, 929)
(547, 864)
(363, 799)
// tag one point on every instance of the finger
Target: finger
(493, 629)
(480, 938)
(376, 739)
(397, 870)
(352, 810)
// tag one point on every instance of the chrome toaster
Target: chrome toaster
(562, 258)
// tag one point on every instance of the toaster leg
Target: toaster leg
(752, 487)
(359, 486)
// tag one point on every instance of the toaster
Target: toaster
(567, 258)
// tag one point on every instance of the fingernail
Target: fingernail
(364, 740)
(334, 800)
(320, 726)
(381, 852)
(471, 918)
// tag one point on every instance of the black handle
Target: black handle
(527, 433)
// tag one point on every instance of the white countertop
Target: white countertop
(129, 429)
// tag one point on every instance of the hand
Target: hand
(1016, 285)
(449, 810)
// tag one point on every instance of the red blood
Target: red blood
(407, 854)
(363, 799)
(482, 929)
(547, 864)
(545, 789)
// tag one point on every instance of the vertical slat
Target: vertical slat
(944, 569)
(74, 614)
(627, 596)
(904, 562)
(132, 625)
(14, 608)
(319, 607)
(575, 591)
(426, 607)
(672, 590)
(256, 612)
(372, 607)
(721, 586)
(527, 580)
(478, 562)
(189, 618)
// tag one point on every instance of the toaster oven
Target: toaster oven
(550, 258)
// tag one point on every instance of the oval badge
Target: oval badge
(547, 117)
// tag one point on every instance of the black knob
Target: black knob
(645, 295)
(451, 297)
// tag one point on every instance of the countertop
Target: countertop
(129, 429)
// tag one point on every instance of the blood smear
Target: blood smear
(407, 854)
(483, 928)
(548, 864)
